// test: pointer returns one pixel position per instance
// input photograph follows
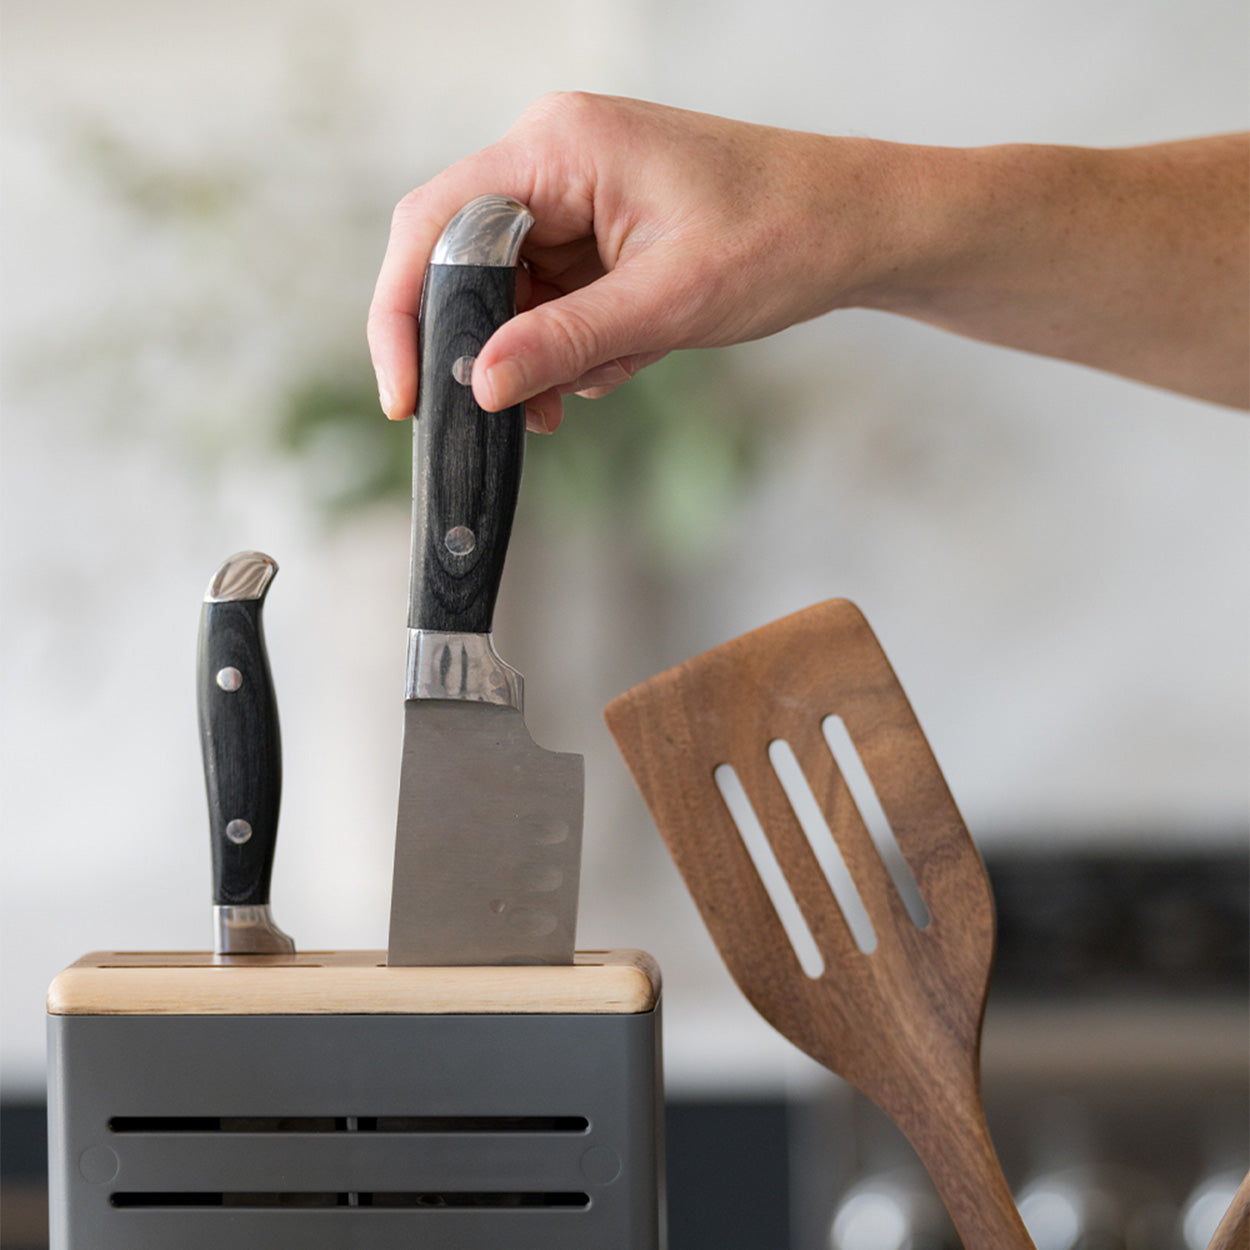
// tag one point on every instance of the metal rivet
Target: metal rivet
(460, 540)
(229, 679)
(462, 369)
(238, 831)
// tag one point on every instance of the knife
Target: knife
(242, 753)
(489, 828)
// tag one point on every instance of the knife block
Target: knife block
(324, 1100)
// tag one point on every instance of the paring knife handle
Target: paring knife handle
(466, 461)
(239, 737)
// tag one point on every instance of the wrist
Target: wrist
(934, 232)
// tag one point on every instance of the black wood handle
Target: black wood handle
(241, 746)
(466, 461)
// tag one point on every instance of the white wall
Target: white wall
(1056, 561)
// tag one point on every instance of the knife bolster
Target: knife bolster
(243, 929)
(444, 665)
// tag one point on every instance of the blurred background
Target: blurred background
(196, 199)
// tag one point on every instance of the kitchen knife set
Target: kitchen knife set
(454, 1055)
(475, 1085)
(489, 828)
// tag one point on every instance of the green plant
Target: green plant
(662, 459)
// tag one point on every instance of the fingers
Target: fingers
(544, 412)
(583, 341)
(418, 220)
(606, 378)
(601, 380)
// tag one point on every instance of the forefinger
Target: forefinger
(418, 220)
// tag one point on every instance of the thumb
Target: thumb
(559, 342)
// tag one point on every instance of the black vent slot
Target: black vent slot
(455, 1200)
(351, 1124)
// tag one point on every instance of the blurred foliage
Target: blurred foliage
(662, 459)
(223, 243)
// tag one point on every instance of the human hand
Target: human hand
(655, 229)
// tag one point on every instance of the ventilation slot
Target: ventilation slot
(770, 874)
(352, 1124)
(314, 1200)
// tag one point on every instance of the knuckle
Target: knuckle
(571, 108)
(408, 208)
(577, 339)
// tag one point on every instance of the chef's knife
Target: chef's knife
(242, 755)
(488, 837)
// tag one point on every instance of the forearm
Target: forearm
(1134, 260)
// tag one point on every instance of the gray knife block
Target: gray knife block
(322, 1100)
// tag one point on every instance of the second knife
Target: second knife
(242, 751)
(488, 836)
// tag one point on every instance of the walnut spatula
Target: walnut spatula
(897, 1007)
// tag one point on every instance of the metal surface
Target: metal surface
(229, 679)
(531, 1132)
(248, 930)
(486, 868)
(486, 231)
(244, 576)
(460, 666)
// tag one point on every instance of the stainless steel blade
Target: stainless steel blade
(488, 843)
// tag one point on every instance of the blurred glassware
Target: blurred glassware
(1205, 1207)
(1094, 1208)
(891, 1211)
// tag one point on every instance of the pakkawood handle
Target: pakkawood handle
(466, 470)
(239, 736)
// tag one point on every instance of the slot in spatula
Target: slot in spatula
(901, 1022)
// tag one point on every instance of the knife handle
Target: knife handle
(239, 737)
(466, 461)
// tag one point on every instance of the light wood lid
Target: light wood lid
(179, 983)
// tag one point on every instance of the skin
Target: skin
(658, 229)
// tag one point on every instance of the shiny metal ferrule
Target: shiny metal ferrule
(248, 930)
(486, 231)
(245, 575)
(460, 666)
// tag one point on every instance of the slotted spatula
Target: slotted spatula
(902, 1023)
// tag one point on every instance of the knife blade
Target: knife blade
(242, 751)
(489, 826)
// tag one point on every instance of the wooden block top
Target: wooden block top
(623, 982)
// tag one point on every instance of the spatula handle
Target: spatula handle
(953, 1141)
(466, 461)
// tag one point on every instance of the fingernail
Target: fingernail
(505, 384)
(385, 397)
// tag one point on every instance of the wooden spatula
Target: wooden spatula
(903, 1022)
